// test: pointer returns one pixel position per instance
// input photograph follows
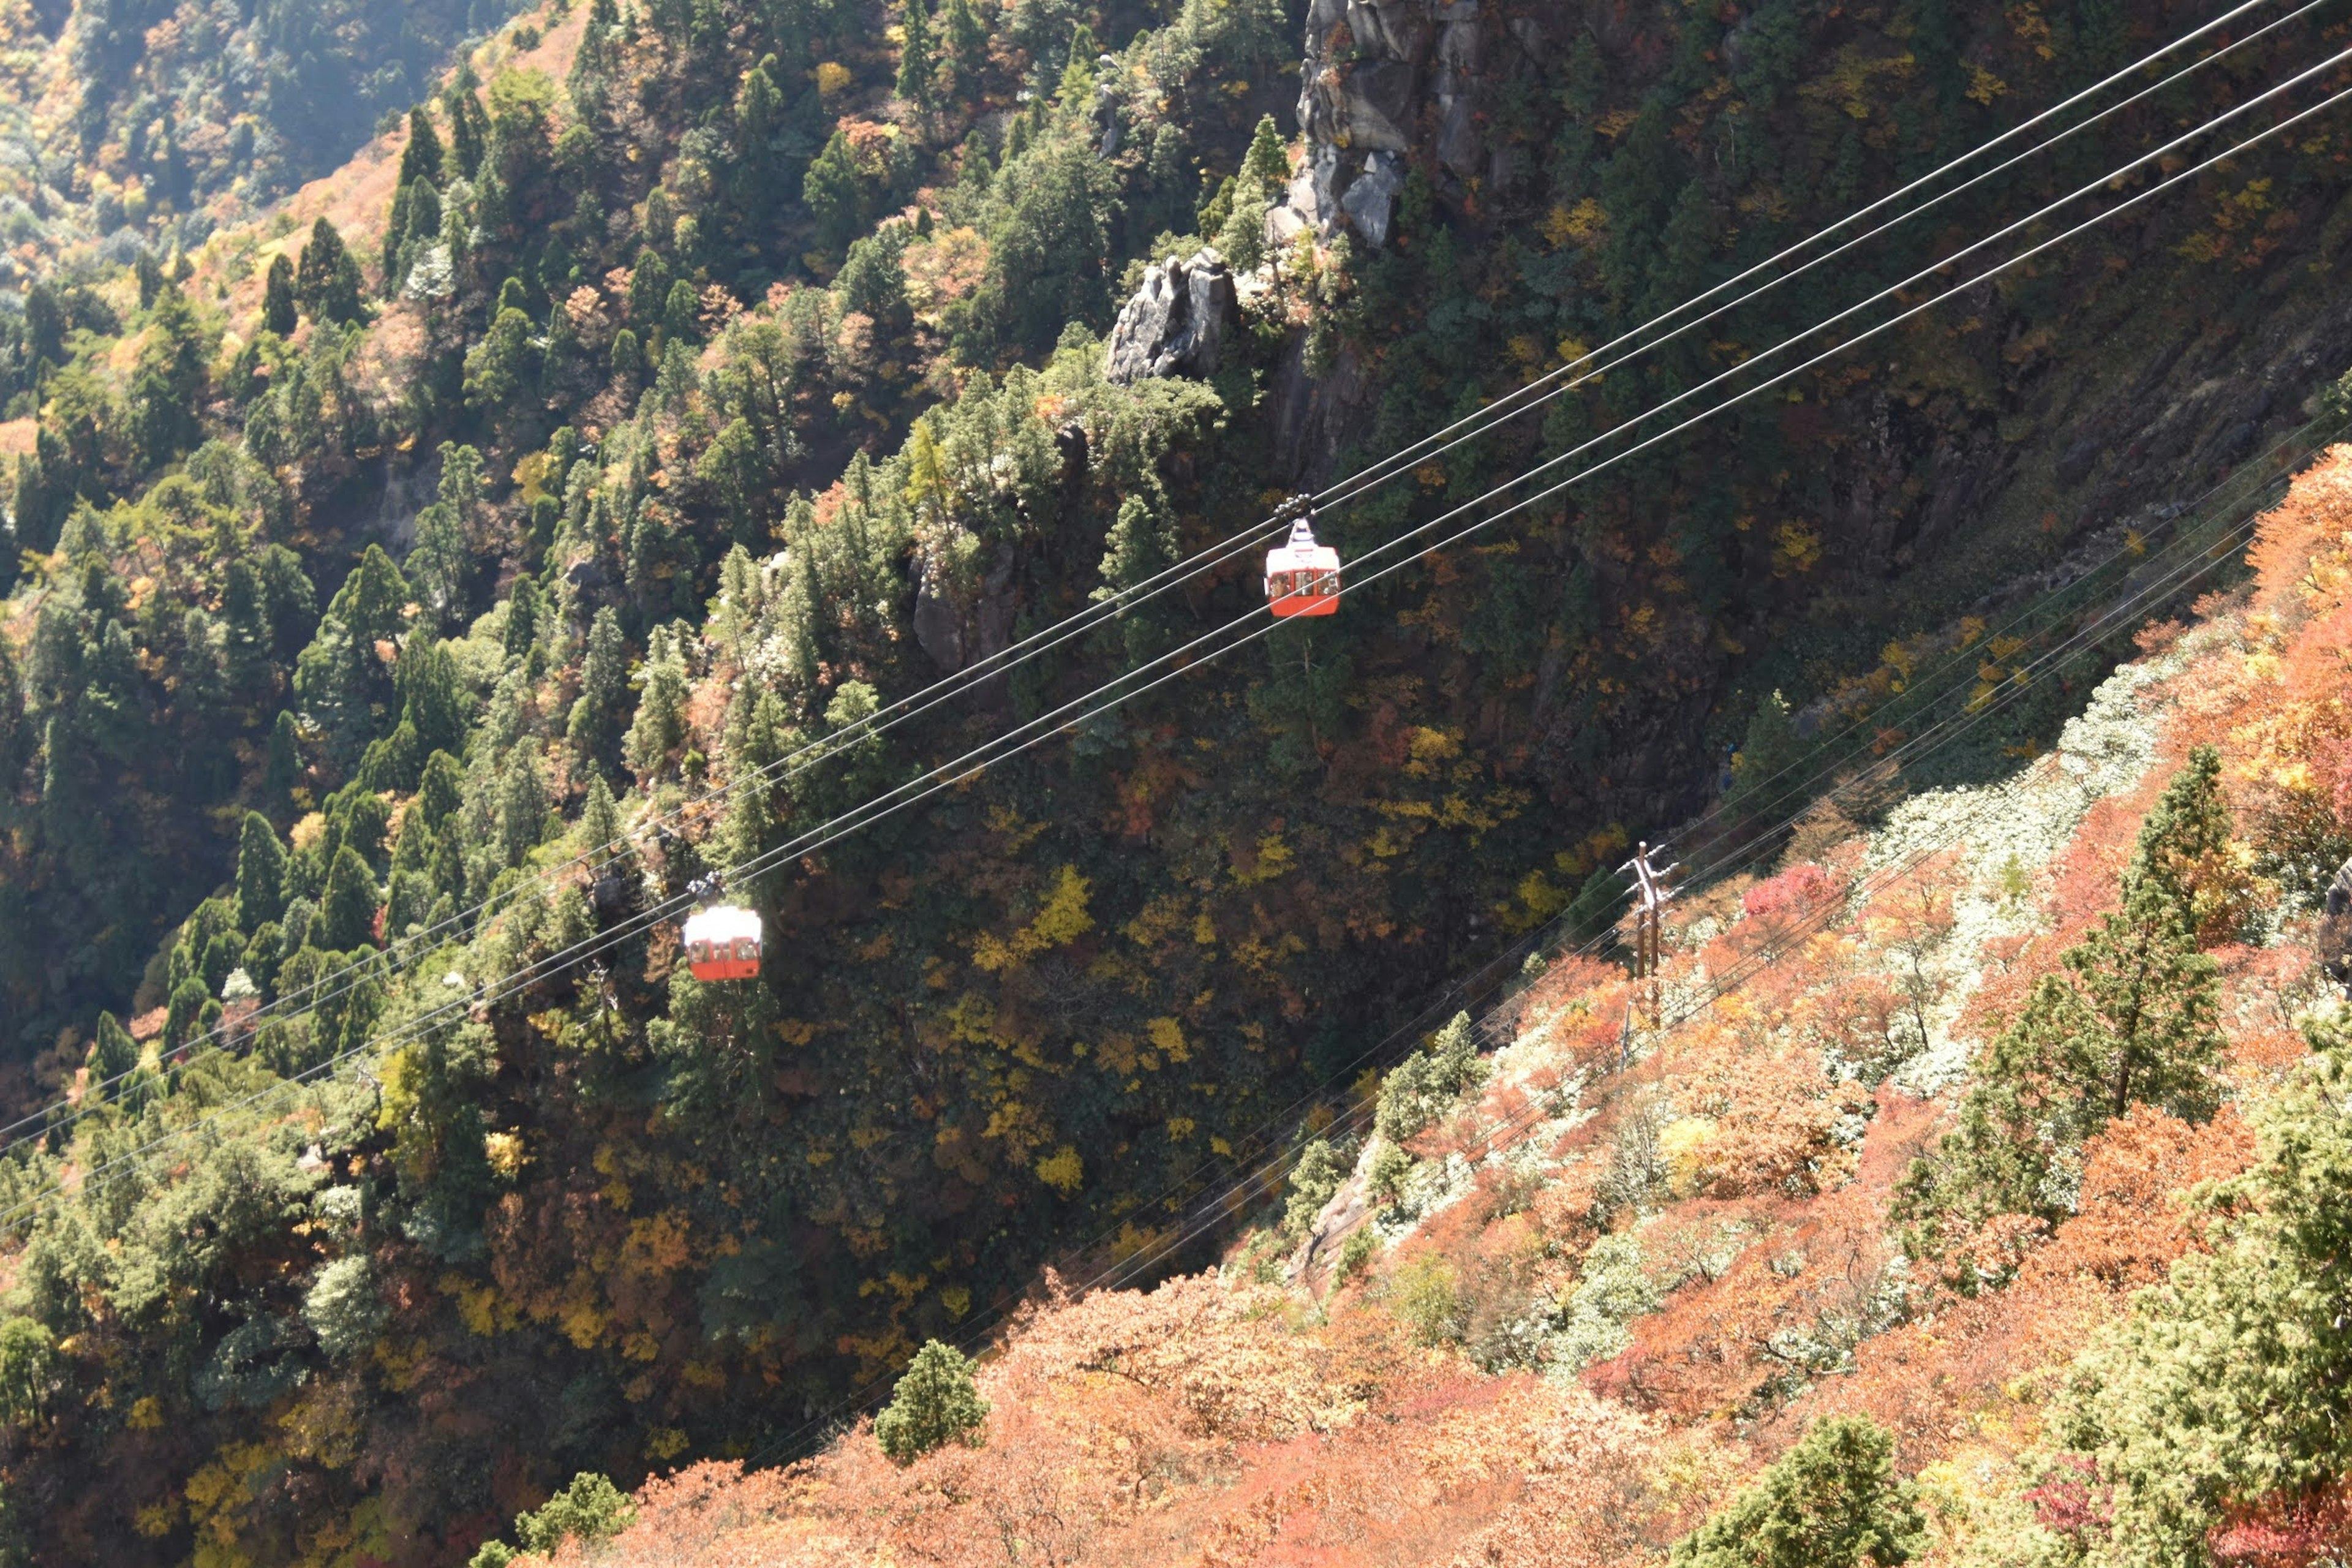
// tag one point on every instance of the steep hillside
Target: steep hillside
(1575, 1295)
(421, 586)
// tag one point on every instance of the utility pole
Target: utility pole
(1651, 894)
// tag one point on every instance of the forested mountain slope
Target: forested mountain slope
(682, 383)
(1838, 1260)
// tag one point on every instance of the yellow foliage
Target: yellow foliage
(1062, 1170)
(1180, 1128)
(145, 1415)
(505, 1152)
(957, 1300)
(665, 1443)
(157, 1520)
(1168, 1036)
(831, 78)
(1272, 859)
(1064, 919)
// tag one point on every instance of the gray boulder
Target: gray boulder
(1175, 324)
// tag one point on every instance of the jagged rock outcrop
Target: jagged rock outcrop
(1175, 324)
(1377, 75)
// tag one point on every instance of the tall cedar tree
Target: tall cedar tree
(421, 159)
(260, 874)
(278, 313)
(918, 62)
(328, 280)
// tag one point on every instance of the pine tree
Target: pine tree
(1832, 1501)
(260, 874)
(2184, 855)
(421, 159)
(1267, 161)
(347, 913)
(917, 65)
(432, 694)
(935, 1403)
(277, 312)
(649, 282)
(2132, 1021)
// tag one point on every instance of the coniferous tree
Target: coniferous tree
(917, 63)
(282, 768)
(966, 44)
(934, 1403)
(278, 310)
(113, 1055)
(347, 913)
(2184, 858)
(327, 281)
(2132, 1021)
(660, 726)
(168, 386)
(441, 789)
(421, 159)
(1832, 1501)
(595, 720)
(831, 191)
(260, 874)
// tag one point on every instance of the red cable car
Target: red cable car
(722, 943)
(1302, 577)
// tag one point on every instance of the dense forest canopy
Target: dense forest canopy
(414, 581)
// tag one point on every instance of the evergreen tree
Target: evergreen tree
(440, 791)
(681, 313)
(1268, 163)
(260, 874)
(2183, 857)
(184, 1012)
(628, 361)
(2132, 1021)
(594, 724)
(278, 313)
(1832, 1501)
(328, 280)
(934, 1403)
(1764, 772)
(432, 694)
(831, 190)
(967, 41)
(169, 385)
(343, 676)
(30, 1372)
(649, 282)
(282, 768)
(113, 1055)
(421, 159)
(499, 367)
(347, 913)
(660, 726)
(917, 65)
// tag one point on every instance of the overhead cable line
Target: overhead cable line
(1119, 602)
(965, 768)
